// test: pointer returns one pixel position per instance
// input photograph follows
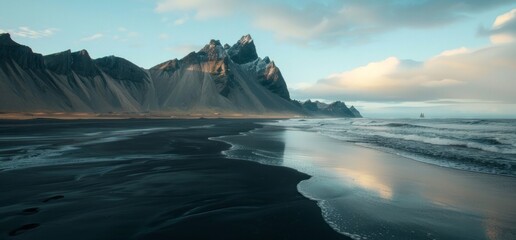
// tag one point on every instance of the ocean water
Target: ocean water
(398, 179)
(487, 146)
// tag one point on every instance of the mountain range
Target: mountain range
(214, 80)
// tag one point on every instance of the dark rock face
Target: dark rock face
(191, 58)
(65, 62)
(5, 40)
(310, 106)
(169, 66)
(355, 112)
(223, 77)
(268, 75)
(335, 109)
(272, 79)
(218, 62)
(60, 63)
(22, 55)
(212, 51)
(243, 51)
(83, 65)
(121, 69)
(339, 108)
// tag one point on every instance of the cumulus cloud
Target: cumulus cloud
(456, 51)
(93, 37)
(26, 32)
(503, 29)
(314, 22)
(485, 74)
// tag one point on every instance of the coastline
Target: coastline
(195, 192)
(393, 197)
(157, 115)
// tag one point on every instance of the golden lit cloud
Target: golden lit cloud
(454, 74)
(504, 28)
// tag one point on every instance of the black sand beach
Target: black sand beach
(169, 183)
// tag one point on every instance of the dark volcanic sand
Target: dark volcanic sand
(197, 194)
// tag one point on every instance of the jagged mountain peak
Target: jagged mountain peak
(213, 51)
(355, 112)
(245, 39)
(22, 55)
(310, 106)
(6, 40)
(340, 109)
(168, 66)
(60, 62)
(61, 54)
(214, 42)
(67, 61)
(191, 58)
(338, 103)
(272, 79)
(244, 51)
(83, 65)
(83, 53)
(334, 109)
(121, 69)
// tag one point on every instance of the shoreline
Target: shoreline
(197, 188)
(389, 193)
(121, 116)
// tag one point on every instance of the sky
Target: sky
(446, 58)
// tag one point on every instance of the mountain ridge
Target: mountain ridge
(217, 79)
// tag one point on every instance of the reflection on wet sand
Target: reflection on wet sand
(366, 181)
(388, 193)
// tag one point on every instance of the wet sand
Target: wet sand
(147, 115)
(191, 191)
(370, 194)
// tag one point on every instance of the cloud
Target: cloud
(26, 32)
(315, 22)
(486, 74)
(180, 21)
(125, 34)
(163, 36)
(456, 51)
(93, 37)
(183, 49)
(203, 9)
(503, 29)
(441, 83)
